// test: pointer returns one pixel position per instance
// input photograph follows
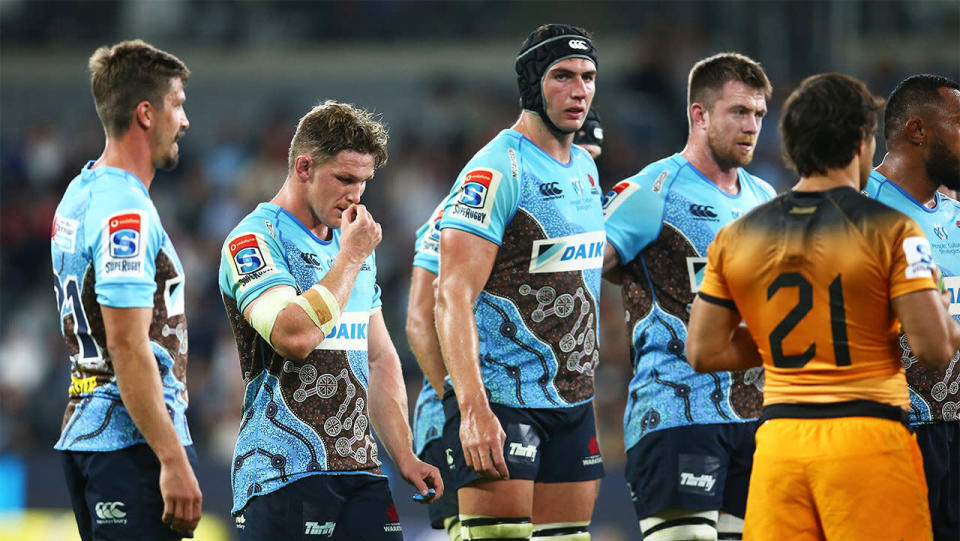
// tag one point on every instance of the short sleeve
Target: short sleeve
(715, 288)
(427, 243)
(911, 260)
(252, 262)
(633, 215)
(375, 302)
(485, 197)
(125, 237)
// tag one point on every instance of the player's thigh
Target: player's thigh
(500, 498)
(564, 502)
(123, 496)
(368, 513)
(435, 454)
(877, 464)
(780, 504)
(940, 447)
(682, 468)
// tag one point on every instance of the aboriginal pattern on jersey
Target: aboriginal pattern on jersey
(934, 395)
(558, 308)
(728, 395)
(661, 222)
(301, 417)
(95, 418)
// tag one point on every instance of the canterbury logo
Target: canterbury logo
(578, 44)
(550, 189)
(703, 211)
(110, 510)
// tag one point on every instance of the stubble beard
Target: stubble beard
(943, 167)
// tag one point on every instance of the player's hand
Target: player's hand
(182, 500)
(482, 438)
(359, 233)
(421, 475)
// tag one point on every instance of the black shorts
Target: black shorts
(116, 494)
(697, 467)
(550, 445)
(940, 447)
(435, 454)
(328, 506)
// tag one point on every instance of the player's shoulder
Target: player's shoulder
(261, 222)
(656, 177)
(113, 189)
(757, 184)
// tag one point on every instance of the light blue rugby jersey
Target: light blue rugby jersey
(661, 221)
(934, 396)
(537, 313)
(428, 416)
(306, 417)
(109, 248)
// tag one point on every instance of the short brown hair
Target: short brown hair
(708, 76)
(332, 127)
(126, 74)
(824, 121)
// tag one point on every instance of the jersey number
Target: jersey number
(68, 300)
(838, 321)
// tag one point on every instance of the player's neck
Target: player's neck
(130, 154)
(555, 144)
(911, 175)
(848, 177)
(701, 158)
(296, 204)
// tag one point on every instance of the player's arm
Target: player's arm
(717, 341)
(422, 329)
(295, 324)
(933, 334)
(135, 367)
(611, 264)
(388, 410)
(465, 264)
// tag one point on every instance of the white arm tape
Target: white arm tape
(267, 307)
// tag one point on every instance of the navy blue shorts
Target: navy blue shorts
(116, 494)
(329, 506)
(549, 445)
(698, 467)
(940, 447)
(435, 454)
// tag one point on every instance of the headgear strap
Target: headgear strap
(536, 58)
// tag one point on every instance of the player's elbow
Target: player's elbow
(695, 355)
(296, 345)
(935, 355)
(417, 325)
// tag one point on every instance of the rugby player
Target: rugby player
(821, 276)
(298, 278)
(127, 452)
(520, 258)
(922, 130)
(689, 437)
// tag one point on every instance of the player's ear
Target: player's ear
(303, 166)
(143, 114)
(914, 131)
(698, 114)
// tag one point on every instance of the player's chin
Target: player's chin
(169, 161)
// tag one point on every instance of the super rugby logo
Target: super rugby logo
(476, 186)
(477, 193)
(124, 234)
(246, 254)
(617, 196)
(573, 253)
(249, 258)
(123, 243)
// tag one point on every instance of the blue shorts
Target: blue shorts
(116, 494)
(447, 506)
(328, 506)
(940, 447)
(697, 467)
(549, 445)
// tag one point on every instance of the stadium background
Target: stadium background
(441, 74)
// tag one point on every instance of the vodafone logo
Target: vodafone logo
(578, 44)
